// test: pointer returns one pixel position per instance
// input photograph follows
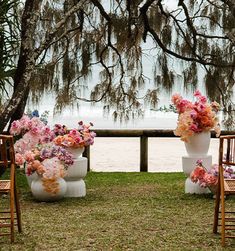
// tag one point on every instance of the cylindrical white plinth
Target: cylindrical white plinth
(76, 186)
(78, 170)
(191, 187)
(189, 164)
(39, 191)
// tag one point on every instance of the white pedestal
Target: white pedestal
(76, 186)
(191, 187)
(189, 164)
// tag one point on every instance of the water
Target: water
(88, 113)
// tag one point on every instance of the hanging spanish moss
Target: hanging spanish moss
(59, 46)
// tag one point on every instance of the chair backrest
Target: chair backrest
(227, 150)
(226, 158)
(7, 153)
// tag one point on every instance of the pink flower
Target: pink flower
(19, 159)
(193, 114)
(15, 128)
(197, 174)
(35, 130)
(210, 180)
(74, 133)
(195, 117)
(194, 128)
(197, 93)
(29, 156)
(199, 162)
(203, 99)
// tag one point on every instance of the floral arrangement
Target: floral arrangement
(48, 161)
(32, 131)
(209, 178)
(75, 138)
(195, 117)
(44, 150)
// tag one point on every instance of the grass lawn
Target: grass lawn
(121, 211)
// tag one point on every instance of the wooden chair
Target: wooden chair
(222, 216)
(8, 187)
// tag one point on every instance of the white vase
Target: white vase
(39, 193)
(75, 174)
(77, 152)
(197, 148)
(198, 144)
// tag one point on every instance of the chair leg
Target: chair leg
(216, 213)
(12, 201)
(222, 220)
(18, 213)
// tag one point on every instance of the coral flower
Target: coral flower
(209, 178)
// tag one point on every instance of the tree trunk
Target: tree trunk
(25, 67)
(20, 109)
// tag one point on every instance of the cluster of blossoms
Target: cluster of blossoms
(195, 117)
(39, 158)
(44, 151)
(209, 178)
(26, 124)
(60, 129)
(32, 130)
(48, 161)
(76, 138)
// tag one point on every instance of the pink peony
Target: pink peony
(210, 180)
(197, 174)
(29, 156)
(194, 128)
(19, 159)
(15, 128)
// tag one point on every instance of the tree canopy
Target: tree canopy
(56, 45)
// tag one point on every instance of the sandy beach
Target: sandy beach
(122, 154)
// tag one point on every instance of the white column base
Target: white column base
(189, 164)
(194, 188)
(75, 188)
